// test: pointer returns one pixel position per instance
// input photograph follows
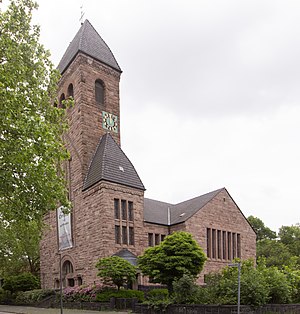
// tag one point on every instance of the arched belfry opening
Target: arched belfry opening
(71, 91)
(99, 92)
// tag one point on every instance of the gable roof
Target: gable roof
(157, 212)
(89, 42)
(111, 164)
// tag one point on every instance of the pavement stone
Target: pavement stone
(9, 309)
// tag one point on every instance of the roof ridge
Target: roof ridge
(151, 199)
(83, 26)
(103, 42)
(193, 198)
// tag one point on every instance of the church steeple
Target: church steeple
(91, 75)
(88, 41)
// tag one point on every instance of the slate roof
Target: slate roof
(157, 212)
(111, 164)
(89, 42)
(128, 256)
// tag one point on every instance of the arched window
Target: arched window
(67, 268)
(61, 99)
(71, 91)
(99, 92)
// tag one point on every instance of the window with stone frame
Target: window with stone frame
(130, 211)
(150, 239)
(124, 224)
(155, 238)
(222, 245)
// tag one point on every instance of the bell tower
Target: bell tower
(91, 75)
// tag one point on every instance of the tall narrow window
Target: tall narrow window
(124, 209)
(213, 243)
(130, 211)
(208, 242)
(234, 245)
(124, 235)
(117, 235)
(229, 248)
(150, 239)
(219, 244)
(238, 245)
(224, 245)
(117, 208)
(162, 237)
(131, 236)
(157, 238)
(99, 92)
(70, 91)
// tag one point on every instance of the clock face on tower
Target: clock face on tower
(109, 121)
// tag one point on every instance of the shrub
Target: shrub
(157, 294)
(105, 295)
(81, 293)
(22, 282)
(221, 288)
(158, 299)
(5, 296)
(33, 296)
(185, 290)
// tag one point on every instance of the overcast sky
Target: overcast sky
(210, 94)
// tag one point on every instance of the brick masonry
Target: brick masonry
(93, 220)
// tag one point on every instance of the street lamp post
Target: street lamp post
(238, 265)
(60, 284)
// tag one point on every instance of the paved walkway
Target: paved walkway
(5, 309)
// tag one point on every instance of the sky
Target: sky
(209, 94)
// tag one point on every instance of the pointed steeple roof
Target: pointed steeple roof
(111, 164)
(89, 42)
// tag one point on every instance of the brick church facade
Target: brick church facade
(110, 214)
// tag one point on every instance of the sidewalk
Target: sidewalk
(5, 309)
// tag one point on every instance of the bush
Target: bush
(222, 287)
(157, 294)
(81, 293)
(22, 282)
(185, 290)
(33, 296)
(5, 296)
(158, 299)
(105, 295)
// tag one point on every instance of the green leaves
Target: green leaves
(116, 270)
(31, 146)
(177, 255)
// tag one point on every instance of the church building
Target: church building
(110, 215)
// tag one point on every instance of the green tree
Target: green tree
(19, 247)
(177, 255)
(274, 252)
(116, 270)
(31, 147)
(262, 231)
(290, 237)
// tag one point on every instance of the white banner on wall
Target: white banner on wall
(64, 229)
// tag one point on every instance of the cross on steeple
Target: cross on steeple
(81, 15)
